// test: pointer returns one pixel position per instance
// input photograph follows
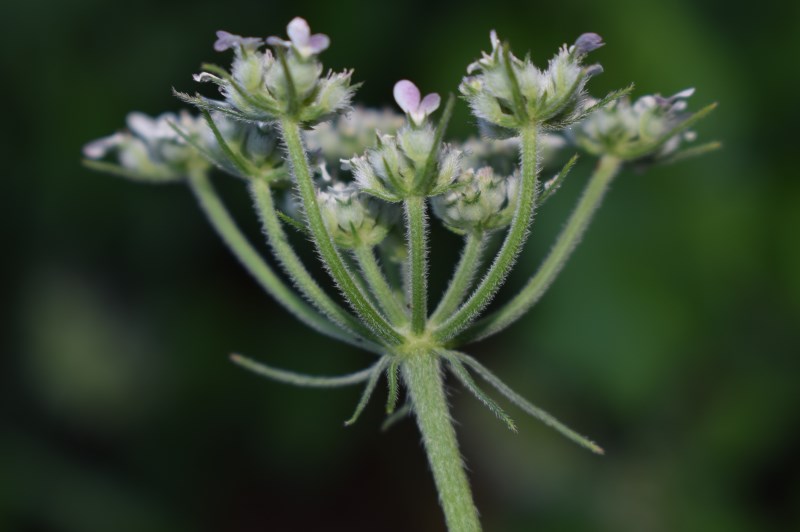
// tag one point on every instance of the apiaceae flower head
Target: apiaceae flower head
(263, 86)
(353, 218)
(395, 168)
(479, 201)
(254, 142)
(508, 93)
(351, 134)
(151, 149)
(653, 127)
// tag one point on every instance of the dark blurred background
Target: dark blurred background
(672, 337)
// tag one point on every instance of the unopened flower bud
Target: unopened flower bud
(479, 201)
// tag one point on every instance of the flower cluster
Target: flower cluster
(651, 127)
(480, 201)
(353, 218)
(253, 144)
(351, 134)
(412, 162)
(503, 154)
(262, 86)
(507, 92)
(152, 149)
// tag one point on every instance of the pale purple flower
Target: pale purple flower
(408, 97)
(227, 40)
(98, 149)
(301, 40)
(586, 43)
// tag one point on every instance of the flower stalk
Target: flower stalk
(423, 377)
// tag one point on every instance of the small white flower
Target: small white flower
(408, 97)
(301, 40)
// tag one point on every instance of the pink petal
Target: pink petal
(430, 103)
(406, 94)
(319, 42)
(298, 31)
(224, 41)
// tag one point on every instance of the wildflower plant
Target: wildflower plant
(349, 178)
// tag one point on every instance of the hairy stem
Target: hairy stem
(226, 228)
(515, 238)
(423, 378)
(290, 131)
(570, 236)
(416, 229)
(474, 244)
(265, 205)
(379, 285)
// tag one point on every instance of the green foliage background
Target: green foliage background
(672, 337)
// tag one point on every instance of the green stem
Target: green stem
(512, 245)
(379, 285)
(262, 196)
(226, 228)
(416, 233)
(474, 244)
(290, 131)
(423, 378)
(570, 236)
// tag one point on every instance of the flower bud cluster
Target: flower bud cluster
(479, 201)
(649, 127)
(353, 218)
(352, 133)
(507, 92)
(263, 86)
(151, 149)
(503, 154)
(255, 142)
(395, 168)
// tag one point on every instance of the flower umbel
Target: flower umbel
(276, 104)
(151, 149)
(653, 127)
(480, 201)
(508, 92)
(353, 218)
(262, 86)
